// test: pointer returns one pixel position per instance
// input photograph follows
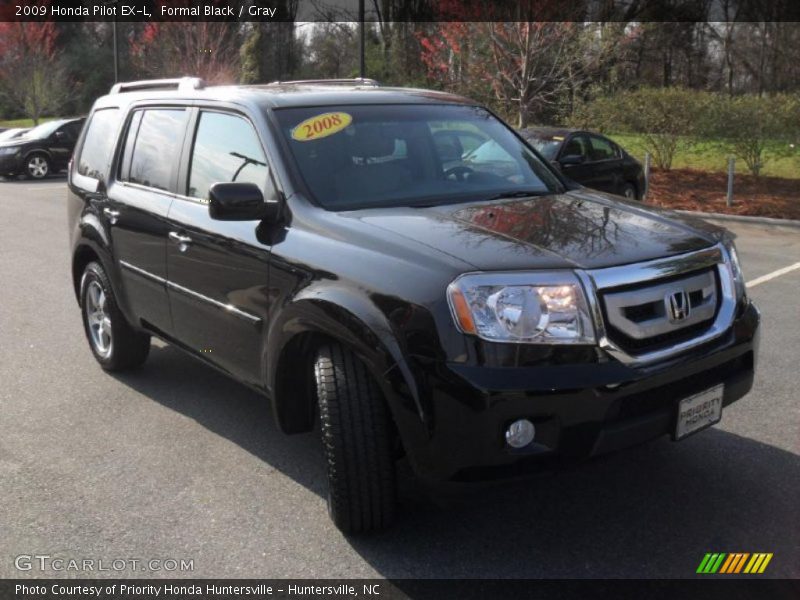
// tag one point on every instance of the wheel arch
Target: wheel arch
(92, 245)
(335, 315)
(83, 255)
(33, 151)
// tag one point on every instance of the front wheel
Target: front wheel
(114, 343)
(356, 437)
(37, 166)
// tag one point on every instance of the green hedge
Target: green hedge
(670, 121)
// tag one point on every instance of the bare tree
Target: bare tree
(31, 75)
(204, 49)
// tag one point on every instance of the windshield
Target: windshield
(547, 147)
(44, 130)
(409, 155)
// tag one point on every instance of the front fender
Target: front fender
(44, 151)
(342, 314)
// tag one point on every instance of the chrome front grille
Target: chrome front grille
(646, 312)
(640, 317)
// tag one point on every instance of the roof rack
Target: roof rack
(182, 84)
(356, 81)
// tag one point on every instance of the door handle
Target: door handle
(183, 241)
(112, 215)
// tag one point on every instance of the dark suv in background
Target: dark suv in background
(43, 150)
(324, 245)
(590, 159)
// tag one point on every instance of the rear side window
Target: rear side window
(99, 144)
(226, 149)
(576, 146)
(152, 148)
(602, 149)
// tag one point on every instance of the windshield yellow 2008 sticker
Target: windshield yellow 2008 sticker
(321, 126)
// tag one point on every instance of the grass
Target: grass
(24, 122)
(705, 155)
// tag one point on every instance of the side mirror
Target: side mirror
(240, 202)
(572, 160)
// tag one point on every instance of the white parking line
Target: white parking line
(773, 275)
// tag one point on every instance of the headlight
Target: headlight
(736, 270)
(8, 151)
(523, 308)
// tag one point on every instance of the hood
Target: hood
(578, 229)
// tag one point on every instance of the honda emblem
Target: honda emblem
(677, 304)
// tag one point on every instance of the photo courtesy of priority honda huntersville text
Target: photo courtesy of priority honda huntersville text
(473, 312)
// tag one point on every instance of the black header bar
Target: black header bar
(423, 10)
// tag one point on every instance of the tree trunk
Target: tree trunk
(524, 114)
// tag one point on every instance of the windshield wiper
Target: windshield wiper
(499, 196)
(518, 194)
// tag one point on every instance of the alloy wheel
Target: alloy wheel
(98, 319)
(38, 167)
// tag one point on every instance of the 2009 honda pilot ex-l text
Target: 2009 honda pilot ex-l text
(472, 314)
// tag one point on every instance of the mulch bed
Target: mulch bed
(687, 189)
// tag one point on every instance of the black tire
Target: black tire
(37, 166)
(629, 191)
(127, 348)
(357, 441)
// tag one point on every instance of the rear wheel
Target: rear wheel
(37, 166)
(356, 436)
(114, 343)
(629, 191)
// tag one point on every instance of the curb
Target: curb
(742, 218)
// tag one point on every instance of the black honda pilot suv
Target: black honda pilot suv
(318, 242)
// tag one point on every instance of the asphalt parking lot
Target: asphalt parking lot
(177, 462)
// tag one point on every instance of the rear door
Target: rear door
(218, 270)
(138, 202)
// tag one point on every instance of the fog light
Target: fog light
(520, 433)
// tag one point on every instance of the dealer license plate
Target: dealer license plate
(699, 411)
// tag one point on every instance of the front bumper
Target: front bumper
(10, 164)
(579, 410)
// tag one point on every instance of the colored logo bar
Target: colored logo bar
(734, 562)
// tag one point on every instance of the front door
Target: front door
(218, 270)
(62, 142)
(578, 146)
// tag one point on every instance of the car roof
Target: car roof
(286, 95)
(549, 131)
(60, 122)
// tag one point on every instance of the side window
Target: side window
(151, 154)
(576, 146)
(98, 145)
(73, 130)
(602, 149)
(130, 139)
(226, 149)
